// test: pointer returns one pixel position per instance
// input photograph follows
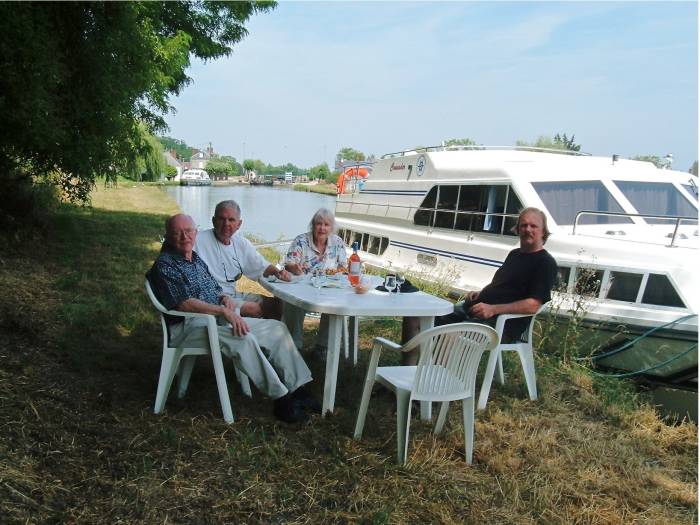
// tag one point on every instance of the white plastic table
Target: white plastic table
(340, 302)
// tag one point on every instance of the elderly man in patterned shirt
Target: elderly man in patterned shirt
(181, 281)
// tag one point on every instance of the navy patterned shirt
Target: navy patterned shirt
(174, 279)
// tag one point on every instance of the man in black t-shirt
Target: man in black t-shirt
(520, 286)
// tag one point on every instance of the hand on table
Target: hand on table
(294, 268)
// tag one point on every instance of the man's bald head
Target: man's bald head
(180, 234)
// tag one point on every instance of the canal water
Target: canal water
(268, 213)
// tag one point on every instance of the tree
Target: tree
(219, 168)
(349, 154)
(182, 150)
(654, 159)
(561, 142)
(459, 142)
(80, 78)
(320, 172)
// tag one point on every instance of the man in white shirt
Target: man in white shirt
(230, 255)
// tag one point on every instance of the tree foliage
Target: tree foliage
(81, 78)
(223, 167)
(321, 172)
(460, 142)
(561, 142)
(182, 150)
(654, 159)
(349, 154)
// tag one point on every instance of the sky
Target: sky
(313, 77)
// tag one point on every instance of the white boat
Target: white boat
(195, 177)
(448, 211)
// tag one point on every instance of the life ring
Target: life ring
(351, 172)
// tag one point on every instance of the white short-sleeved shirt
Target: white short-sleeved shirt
(225, 262)
(303, 252)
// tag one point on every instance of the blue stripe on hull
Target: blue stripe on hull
(444, 253)
(416, 193)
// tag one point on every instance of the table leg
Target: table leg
(335, 328)
(354, 325)
(426, 407)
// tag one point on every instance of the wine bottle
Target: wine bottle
(354, 265)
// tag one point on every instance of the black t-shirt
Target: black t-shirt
(523, 275)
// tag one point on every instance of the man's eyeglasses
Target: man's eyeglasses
(238, 276)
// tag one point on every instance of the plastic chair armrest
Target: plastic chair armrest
(387, 343)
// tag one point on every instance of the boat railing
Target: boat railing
(433, 214)
(677, 219)
(482, 148)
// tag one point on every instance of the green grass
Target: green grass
(326, 189)
(79, 362)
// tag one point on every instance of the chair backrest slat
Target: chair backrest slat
(450, 358)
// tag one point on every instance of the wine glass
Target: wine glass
(390, 282)
(400, 279)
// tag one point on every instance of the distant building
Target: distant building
(199, 159)
(172, 160)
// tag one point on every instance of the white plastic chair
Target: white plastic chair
(446, 371)
(181, 360)
(524, 350)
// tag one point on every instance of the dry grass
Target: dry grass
(79, 362)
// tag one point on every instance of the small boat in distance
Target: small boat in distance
(195, 177)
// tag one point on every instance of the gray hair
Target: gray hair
(323, 214)
(230, 204)
(536, 211)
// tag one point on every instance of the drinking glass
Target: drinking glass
(390, 282)
(318, 277)
(400, 279)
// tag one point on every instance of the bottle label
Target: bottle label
(355, 267)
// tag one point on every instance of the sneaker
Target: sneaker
(306, 400)
(289, 410)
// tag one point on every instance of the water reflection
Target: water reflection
(268, 213)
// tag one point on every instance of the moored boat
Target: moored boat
(195, 177)
(624, 232)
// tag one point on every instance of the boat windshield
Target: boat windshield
(692, 190)
(565, 199)
(657, 198)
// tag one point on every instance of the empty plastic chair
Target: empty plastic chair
(446, 371)
(524, 350)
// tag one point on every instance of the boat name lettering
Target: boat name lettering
(397, 167)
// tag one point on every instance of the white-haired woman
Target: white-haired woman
(320, 248)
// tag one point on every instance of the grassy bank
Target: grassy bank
(79, 362)
(326, 189)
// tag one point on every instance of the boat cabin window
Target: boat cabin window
(588, 282)
(477, 208)
(657, 198)
(565, 199)
(562, 282)
(369, 243)
(624, 286)
(660, 291)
